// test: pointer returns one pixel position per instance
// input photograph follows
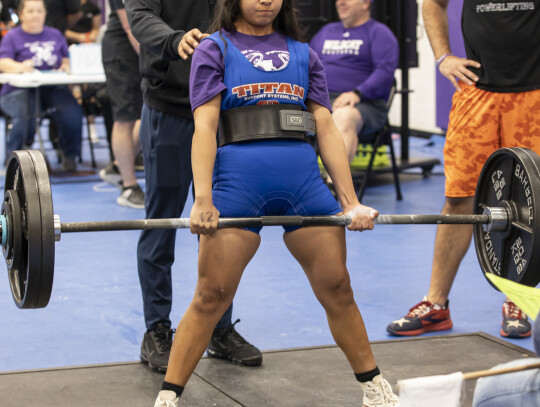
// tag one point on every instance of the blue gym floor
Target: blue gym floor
(95, 312)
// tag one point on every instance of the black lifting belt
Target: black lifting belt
(261, 122)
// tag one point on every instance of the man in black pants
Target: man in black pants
(164, 29)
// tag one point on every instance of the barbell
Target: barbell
(506, 207)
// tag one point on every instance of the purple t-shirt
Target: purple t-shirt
(45, 49)
(363, 58)
(267, 52)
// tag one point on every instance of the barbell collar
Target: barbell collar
(499, 219)
(57, 228)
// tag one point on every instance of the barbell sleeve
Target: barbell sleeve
(431, 219)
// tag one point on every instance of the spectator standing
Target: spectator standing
(168, 30)
(497, 104)
(86, 29)
(120, 55)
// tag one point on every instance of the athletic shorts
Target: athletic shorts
(373, 112)
(482, 122)
(124, 87)
(270, 178)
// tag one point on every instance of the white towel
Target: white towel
(440, 391)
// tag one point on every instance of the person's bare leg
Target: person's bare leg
(135, 138)
(222, 260)
(451, 245)
(349, 122)
(123, 149)
(321, 252)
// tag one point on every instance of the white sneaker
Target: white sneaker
(132, 197)
(378, 393)
(167, 398)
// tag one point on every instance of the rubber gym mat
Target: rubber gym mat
(314, 376)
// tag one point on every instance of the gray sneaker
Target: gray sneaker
(69, 164)
(132, 197)
(111, 175)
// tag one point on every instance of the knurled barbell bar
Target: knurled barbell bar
(505, 211)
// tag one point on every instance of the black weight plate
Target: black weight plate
(510, 175)
(11, 210)
(47, 227)
(21, 177)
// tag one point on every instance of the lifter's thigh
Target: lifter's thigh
(321, 251)
(223, 257)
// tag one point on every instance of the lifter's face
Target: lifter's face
(257, 16)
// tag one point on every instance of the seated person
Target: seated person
(31, 46)
(85, 30)
(519, 389)
(360, 56)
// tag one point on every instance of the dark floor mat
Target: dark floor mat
(318, 376)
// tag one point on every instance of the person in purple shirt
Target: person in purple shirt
(32, 46)
(360, 56)
(249, 70)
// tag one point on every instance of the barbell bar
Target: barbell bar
(506, 206)
(333, 220)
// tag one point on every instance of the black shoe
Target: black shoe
(156, 347)
(227, 343)
(139, 163)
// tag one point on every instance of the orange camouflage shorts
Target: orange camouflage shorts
(480, 123)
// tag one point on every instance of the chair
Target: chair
(382, 137)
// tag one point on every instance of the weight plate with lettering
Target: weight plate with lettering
(510, 179)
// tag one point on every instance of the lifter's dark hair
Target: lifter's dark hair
(286, 22)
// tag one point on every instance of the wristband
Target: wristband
(442, 58)
(87, 37)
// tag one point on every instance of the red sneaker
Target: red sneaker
(515, 323)
(423, 317)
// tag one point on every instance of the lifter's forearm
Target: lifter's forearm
(435, 17)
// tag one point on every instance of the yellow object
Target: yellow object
(361, 160)
(526, 298)
(363, 156)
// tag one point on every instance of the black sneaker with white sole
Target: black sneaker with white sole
(156, 347)
(227, 343)
(132, 197)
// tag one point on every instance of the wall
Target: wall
(423, 81)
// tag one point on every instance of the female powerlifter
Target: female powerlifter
(252, 72)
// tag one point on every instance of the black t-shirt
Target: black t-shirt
(89, 11)
(57, 11)
(115, 44)
(505, 38)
